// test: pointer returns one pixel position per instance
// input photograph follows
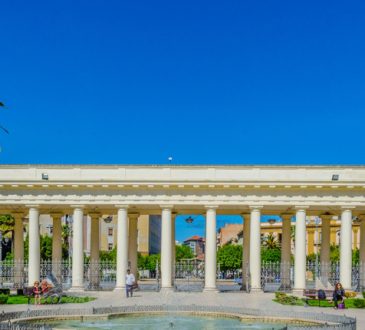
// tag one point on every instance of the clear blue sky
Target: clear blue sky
(223, 82)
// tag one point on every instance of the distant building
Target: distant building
(197, 245)
(149, 232)
(229, 234)
(233, 234)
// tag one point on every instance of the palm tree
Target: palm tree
(271, 242)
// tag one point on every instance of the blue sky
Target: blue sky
(234, 82)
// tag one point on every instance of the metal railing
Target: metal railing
(323, 321)
(102, 275)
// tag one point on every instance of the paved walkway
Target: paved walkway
(261, 301)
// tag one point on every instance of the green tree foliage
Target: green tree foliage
(183, 252)
(7, 223)
(270, 242)
(46, 247)
(335, 255)
(230, 257)
(109, 255)
(270, 255)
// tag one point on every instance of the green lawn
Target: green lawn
(285, 299)
(19, 300)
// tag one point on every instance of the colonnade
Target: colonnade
(127, 246)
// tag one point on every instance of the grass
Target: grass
(21, 300)
(285, 299)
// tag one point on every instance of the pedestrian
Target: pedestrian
(130, 281)
(36, 293)
(338, 294)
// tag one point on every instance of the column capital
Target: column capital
(301, 207)
(133, 215)
(77, 206)
(211, 207)
(32, 206)
(94, 215)
(256, 207)
(18, 214)
(286, 215)
(347, 208)
(56, 215)
(121, 206)
(326, 217)
(166, 206)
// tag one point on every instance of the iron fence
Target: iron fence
(323, 321)
(102, 275)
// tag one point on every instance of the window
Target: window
(110, 231)
(110, 246)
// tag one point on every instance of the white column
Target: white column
(133, 244)
(94, 250)
(362, 252)
(122, 247)
(34, 247)
(285, 250)
(245, 250)
(77, 250)
(300, 251)
(57, 244)
(211, 249)
(325, 248)
(255, 248)
(346, 249)
(18, 249)
(173, 264)
(166, 248)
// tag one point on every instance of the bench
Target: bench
(313, 294)
(28, 292)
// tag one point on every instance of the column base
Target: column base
(167, 289)
(298, 292)
(256, 290)
(214, 289)
(285, 288)
(76, 289)
(119, 289)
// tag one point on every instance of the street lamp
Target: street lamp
(317, 221)
(69, 232)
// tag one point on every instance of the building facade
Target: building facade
(233, 233)
(27, 191)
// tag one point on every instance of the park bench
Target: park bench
(55, 293)
(313, 294)
(28, 292)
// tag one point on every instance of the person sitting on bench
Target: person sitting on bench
(338, 294)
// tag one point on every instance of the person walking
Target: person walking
(130, 281)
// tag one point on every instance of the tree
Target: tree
(183, 252)
(270, 242)
(230, 257)
(270, 255)
(7, 223)
(152, 260)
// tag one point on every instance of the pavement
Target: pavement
(261, 301)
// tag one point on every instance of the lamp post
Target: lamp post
(69, 232)
(317, 221)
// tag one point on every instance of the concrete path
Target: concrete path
(261, 301)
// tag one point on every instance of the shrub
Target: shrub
(363, 294)
(4, 298)
(284, 299)
(5, 291)
(350, 294)
(359, 303)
